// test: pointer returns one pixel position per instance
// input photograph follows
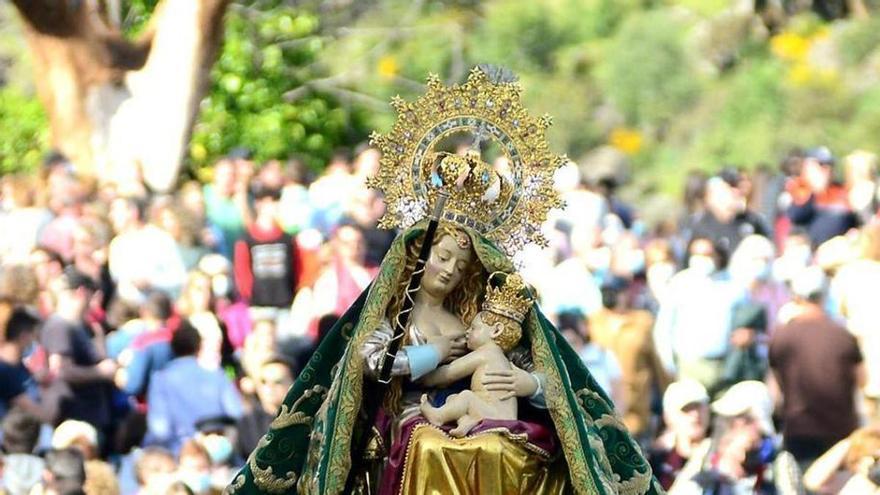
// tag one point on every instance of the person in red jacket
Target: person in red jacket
(266, 259)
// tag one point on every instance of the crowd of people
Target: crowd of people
(147, 340)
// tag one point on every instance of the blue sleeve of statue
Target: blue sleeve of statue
(538, 399)
(423, 359)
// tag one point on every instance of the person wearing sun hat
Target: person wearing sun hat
(745, 456)
(686, 414)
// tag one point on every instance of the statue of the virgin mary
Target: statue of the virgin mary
(567, 437)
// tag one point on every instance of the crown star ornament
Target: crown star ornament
(508, 210)
(509, 299)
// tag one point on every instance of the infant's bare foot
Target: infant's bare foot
(431, 413)
(465, 425)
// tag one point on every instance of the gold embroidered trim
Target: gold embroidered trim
(236, 485)
(563, 418)
(287, 417)
(350, 377)
(265, 479)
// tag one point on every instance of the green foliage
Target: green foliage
(646, 72)
(268, 51)
(135, 14)
(860, 39)
(23, 132)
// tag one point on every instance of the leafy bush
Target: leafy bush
(646, 72)
(23, 131)
(268, 51)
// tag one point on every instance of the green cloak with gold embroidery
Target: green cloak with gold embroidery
(307, 448)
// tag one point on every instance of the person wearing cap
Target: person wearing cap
(82, 374)
(686, 414)
(744, 455)
(726, 221)
(817, 202)
(818, 366)
(73, 434)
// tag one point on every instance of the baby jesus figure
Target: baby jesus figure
(492, 333)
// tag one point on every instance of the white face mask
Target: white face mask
(198, 482)
(219, 448)
(702, 264)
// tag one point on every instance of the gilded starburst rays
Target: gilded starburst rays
(479, 106)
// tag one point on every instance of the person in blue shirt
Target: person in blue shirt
(184, 392)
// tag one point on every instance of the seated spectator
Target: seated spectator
(154, 471)
(686, 412)
(100, 479)
(747, 457)
(100, 476)
(175, 405)
(274, 378)
(77, 435)
(851, 467)
(194, 467)
(65, 473)
(21, 470)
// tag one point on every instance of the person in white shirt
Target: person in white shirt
(142, 256)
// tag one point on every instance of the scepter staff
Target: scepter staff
(401, 322)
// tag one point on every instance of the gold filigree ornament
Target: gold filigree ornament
(509, 299)
(508, 210)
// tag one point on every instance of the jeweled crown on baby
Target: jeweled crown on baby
(506, 305)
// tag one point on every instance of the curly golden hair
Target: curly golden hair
(511, 330)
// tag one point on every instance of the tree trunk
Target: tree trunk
(119, 109)
(858, 9)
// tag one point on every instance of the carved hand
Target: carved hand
(514, 382)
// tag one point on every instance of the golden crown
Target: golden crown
(510, 298)
(509, 208)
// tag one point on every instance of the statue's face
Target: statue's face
(480, 332)
(446, 266)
